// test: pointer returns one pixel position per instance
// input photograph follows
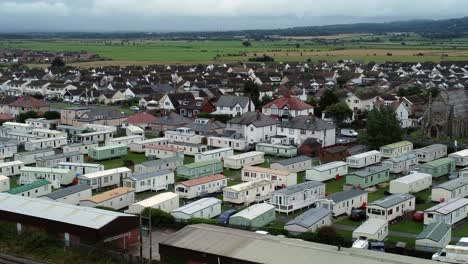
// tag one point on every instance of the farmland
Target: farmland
(368, 48)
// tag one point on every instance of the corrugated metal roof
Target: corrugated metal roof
(254, 211)
(392, 200)
(196, 206)
(67, 191)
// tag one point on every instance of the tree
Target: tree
(328, 98)
(383, 128)
(57, 63)
(247, 44)
(159, 218)
(50, 115)
(252, 90)
(434, 92)
(128, 163)
(266, 99)
(30, 114)
(340, 112)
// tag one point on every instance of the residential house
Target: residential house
(254, 126)
(300, 128)
(286, 108)
(234, 105)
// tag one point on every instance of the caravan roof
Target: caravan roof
(198, 205)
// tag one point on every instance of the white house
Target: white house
(364, 159)
(201, 186)
(163, 152)
(430, 153)
(309, 221)
(70, 195)
(255, 127)
(150, 181)
(239, 144)
(106, 178)
(403, 163)
(166, 202)
(450, 212)
(343, 202)
(45, 143)
(412, 183)
(139, 147)
(32, 174)
(360, 101)
(460, 157)
(280, 178)
(4, 183)
(249, 192)
(204, 208)
(233, 105)
(455, 188)
(327, 171)
(372, 229)
(117, 198)
(244, 159)
(391, 207)
(300, 128)
(8, 150)
(298, 196)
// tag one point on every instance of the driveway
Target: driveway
(158, 235)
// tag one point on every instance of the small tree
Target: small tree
(266, 99)
(383, 128)
(57, 63)
(128, 163)
(340, 112)
(30, 114)
(50, 115)
(252, 90)
(247, 44)
(328, 98)
(159, 218)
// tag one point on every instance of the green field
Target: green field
(365, 49)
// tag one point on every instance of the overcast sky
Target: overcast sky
(192, 15)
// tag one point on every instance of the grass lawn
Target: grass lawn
(461, 232)
(407, 226)
(348, 235)
(188, 159)
(348, 222)
(116, 163)
(301, 177)
(393, 240)
(380, 193)
(334, 186)
(13, 182)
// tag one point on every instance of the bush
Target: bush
(220, 118)
(159, 218)
(50, 115)
(195, 221)
(128, 163)
(106, 208)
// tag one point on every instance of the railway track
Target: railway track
(7, 259)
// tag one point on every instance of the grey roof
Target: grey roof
(402, 158)
(173, 119)
(205, 128)
(310, 217)
(293, 160)
(146, 175)
(67, 191)
(231, 101)
(59, 156)
(392, 200)
(299, 187)
(307, 123)
(187, 144)
(448, 206)
(368, 171)
(197, 206)
(434, 231)
(345, 195)
(453, 184)
(35, 152)
(256, 118)
(155, 163)
(430, 148)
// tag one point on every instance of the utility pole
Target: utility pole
(150, 238)
(141, 241)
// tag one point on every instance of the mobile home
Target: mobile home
(94, 137)
(309, 221)
(11, 168)
(450, 212)
(53, 160)
(372, 229)
(139, 147)
(239, 144)
(117, 199)
(298, 196)
(249, 192)
(166, 202)
(150, 181)
(33, 190)
(438, 168)
(368, 177)
(254, 216)
(277, 150)
(391, 207)
(190, 149)
(364, 159)
(83, 148)
(435, 237)
(159, 164)
(401, 164)
(280, 178)
(8, 150)
(343, 202)
(204, 208)
(124, 140)
(200, 169)
(201, 186)
(45, 143)
(106, 178)
(81, 168)
(455, 188)
(163, 152)
(460, 157)
(70, 195)
(218, 154)
(30, 157)
(244, 159)
(396, 149)
(108, 152)
(412, 183)
(430, 153)
(296, 164)
(4, 183)
(184, 134)
(327, 171)
(31, 174)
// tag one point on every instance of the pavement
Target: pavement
(158, 235)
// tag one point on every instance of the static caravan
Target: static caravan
(124, 140)
(184, 134)
(190, 149)
(218, 154)
(280, 178)
(430, 153)
(4, 183)
(166, 202)
(200, 169)
(412, 183)
(249, 192)
(455, 188)
(201, 186)
(364, 159)
(106, 178)
(244, 159)
(83, 148)
(31, 174)
(309, 221)
(47, 133)
(396, 149)
(33, 190)
(150, 181)
(298, 196)
(435, 237)
(45, 143)
(438, 168)
(239, 144)
(460, 157)
(81, 168)
(296, 164)
(30, 157)
(139, 147)
(117, 199)
(254, 216)
(277, 150)
(401, 164)
(372, 229)
(108, 152)
(391, 207)
(159, 164)
(204, 208)
(163, 152)
(53, 160)
(8, 150)
(11, 168)
(70, 195)
(327, 171)
(20, 127)
(94, 137)
(450, 212)
(341, 203)
(368, 177)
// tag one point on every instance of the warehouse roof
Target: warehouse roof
(294, 160)
(434, 231)
(299, 187)
(392, 200)
(345, 195)
(28, 187)
(310, 217)
(197, 206)
(67, 191)
(254, 211)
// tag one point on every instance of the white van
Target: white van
(347, 132)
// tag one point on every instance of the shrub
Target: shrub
(159, 218)
(195, 221)
(128, 163)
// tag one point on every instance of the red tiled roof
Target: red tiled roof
(291, 102)
(6, 117)
(141, 118)
(27, 101)
(202, 180)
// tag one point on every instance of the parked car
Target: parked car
(342, 141)
(262, 232)
(347, 132)
(418, 216)
(135, 108)
(377, 246)
(358, 215)
(224, 217)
